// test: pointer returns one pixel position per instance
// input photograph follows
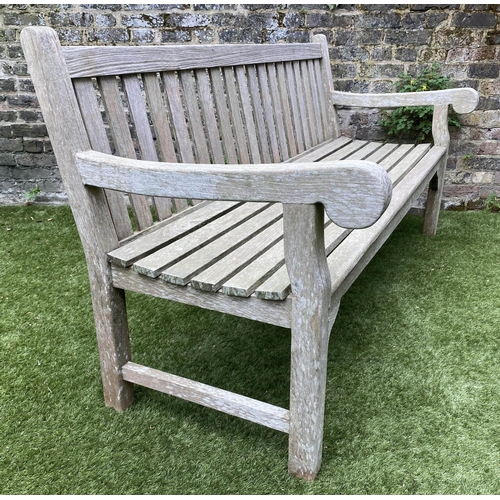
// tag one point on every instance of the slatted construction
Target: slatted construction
(242, 113)
(227, 104)
(191, 113)
(239, 248)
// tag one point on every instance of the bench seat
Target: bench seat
(236, 249)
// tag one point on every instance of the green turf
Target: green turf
(413, 400)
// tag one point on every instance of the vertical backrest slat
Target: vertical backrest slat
(308, 99)
(304, 122)
(294, 103)
(246, 106)
(221, 104)
(173, 94)
(194, 117)
(147, 147)
(92, 118)
(165, 145)
(236, 115)
(208, 109)
(248, 112)
(323, 102)
(123, 141)
(276, 105)
(287, 112)
(315, 101)
(269, 112)
(255, 95)
(332, 128)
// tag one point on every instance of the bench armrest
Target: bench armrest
(354, 193)
(463, 100)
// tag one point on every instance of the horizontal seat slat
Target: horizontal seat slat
(213, 277)
(366, 151)
(246, 281)
(103, 61)
(231, 261)
(321, 150)
(153, 264)
(181, 272)
(277, 286)
(363, 243)
(346, 151)
(178, 226)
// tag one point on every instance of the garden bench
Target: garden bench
(283, 213)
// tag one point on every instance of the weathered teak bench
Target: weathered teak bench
(253, 129)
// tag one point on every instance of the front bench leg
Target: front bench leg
(311, 295)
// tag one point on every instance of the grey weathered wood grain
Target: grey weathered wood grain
(92, 117)
(129, 253)
(206, 395)
(105, 61)
(246, 281)
(199, 259)
(311, 292)
(246, 107)
(354, 253)
(123, 141)
(236, 115)
(278, 114)
(67, 131)
(223, 114)
(462, 100)
(207, 105)
(354, 193)
(332, 128)
(273, 312)
(212, 278)
(161, 126)
(229, 104)
(302, 119)
(269, 112)
(154, 263)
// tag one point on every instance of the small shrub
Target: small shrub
(31, 195)
(415, 122)
(492, 203)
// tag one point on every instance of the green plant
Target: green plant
(492, 203)
(415, 122)
(31, 195)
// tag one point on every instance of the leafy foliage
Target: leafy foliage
(415, 122)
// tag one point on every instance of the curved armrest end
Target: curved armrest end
(366, 193)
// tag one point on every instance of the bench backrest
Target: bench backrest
(197, 104)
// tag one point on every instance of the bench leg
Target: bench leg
(311, 296)
(433, 204)
(307, 397)
(113, 341)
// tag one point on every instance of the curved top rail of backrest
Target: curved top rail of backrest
(106, 61)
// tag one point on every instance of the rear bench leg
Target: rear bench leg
(433, 204)
(311, 295)
(441, 136)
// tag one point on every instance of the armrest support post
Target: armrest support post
(440, 132)
(311, 288)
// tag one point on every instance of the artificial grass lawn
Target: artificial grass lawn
(412, 396)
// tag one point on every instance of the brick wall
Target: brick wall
(370, 46)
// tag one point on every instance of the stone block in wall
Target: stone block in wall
(484, 70)
(474, 20)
